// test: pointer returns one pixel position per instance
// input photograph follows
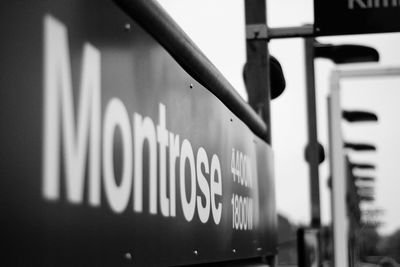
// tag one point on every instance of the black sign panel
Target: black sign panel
(112, 155)
(339, 17)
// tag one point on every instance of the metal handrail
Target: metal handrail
(153, 18)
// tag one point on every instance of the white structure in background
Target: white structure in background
(337, 158)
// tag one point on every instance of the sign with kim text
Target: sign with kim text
(341, 17)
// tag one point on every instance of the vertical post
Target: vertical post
(352, 204)
(313, 146)
(258, 82)
(258, 67)
(338, 172)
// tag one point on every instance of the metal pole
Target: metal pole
(313, 149)
(258, 82)
(338, 171)
(258, 67)
(291, 32)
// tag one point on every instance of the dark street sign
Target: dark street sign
(112, 155)
(339, 17)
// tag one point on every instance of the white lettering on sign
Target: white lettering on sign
(78, 137)
(242, 212)
(188, 205)
(117, 115)
(216, 188)
(242, 206)
(202, 163)
(363, 4)
(58, 104)
(241, 169)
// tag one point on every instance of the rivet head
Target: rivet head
(127, 27)
(128, 256)
(195, 252)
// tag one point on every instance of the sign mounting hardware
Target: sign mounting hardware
(256, 31)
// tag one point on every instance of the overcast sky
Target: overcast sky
(217, 27)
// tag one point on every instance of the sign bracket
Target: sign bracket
(262, 32)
